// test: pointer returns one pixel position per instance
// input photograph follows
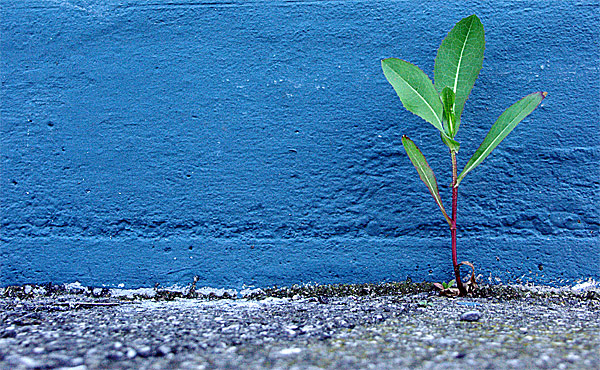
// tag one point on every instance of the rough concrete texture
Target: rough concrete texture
(258, 143)
(389, 326)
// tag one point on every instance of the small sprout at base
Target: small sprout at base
(449, 284)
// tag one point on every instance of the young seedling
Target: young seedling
(448, 284)
(457, 64)
(448, 289)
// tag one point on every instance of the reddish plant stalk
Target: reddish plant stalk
(459, 284)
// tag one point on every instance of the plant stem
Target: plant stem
(461, 288)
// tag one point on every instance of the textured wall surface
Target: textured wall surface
(258, 143)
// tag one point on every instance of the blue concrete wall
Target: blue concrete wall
(258, 143)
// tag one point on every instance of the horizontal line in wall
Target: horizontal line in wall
(304, 240)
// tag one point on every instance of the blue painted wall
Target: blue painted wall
(258, 143)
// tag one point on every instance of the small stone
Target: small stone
(163, 350)
(290, 351)
(291, 330)
(77, 361)
(117, 345)
(470, 316)
(39, 350)
(144, 351)
(131, 353)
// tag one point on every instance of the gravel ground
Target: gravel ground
(329, 327)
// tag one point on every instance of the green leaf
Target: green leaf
(501, 128)
(447, 96)
(459, 60)
(425, 172)
(415, 89)
(450, 143)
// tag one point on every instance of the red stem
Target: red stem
(461, 288)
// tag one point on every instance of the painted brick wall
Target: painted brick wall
(258, 143)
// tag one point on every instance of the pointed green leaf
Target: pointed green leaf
(501, 128)
(415, 90)
(459, 60)
(447, 96)
(425, 172)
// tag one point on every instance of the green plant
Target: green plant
(457, 64)
(448, 284)
(448, 289)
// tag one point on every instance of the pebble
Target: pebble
(77, 361)
(163, 350)
(290, 351)
(470, 316)
(144, 351)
